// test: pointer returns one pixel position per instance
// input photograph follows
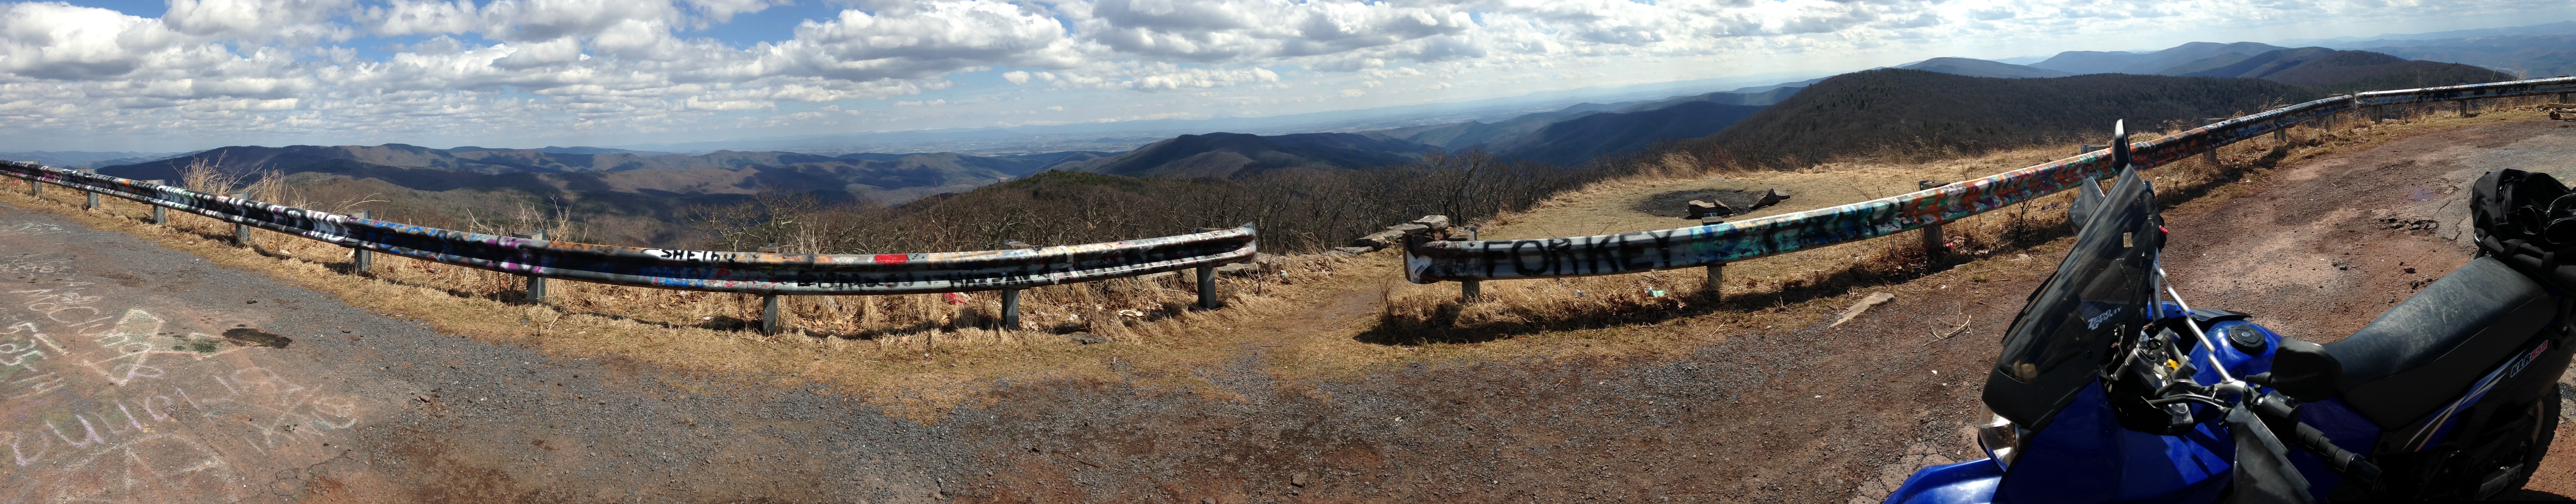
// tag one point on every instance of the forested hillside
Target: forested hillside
(1223, 155)
(1577, 141)
(2350, 71)
(1914, 112)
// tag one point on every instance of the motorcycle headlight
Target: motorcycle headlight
(2001, 439)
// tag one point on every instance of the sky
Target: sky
(172, 75)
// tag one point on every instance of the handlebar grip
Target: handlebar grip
(2274, 407)
(2342, 461)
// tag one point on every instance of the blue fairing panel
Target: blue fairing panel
(1971, 482)
(2083, 456)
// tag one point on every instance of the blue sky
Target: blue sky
(192, 74)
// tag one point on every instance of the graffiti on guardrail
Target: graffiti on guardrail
(1428, 261)
(757, 273)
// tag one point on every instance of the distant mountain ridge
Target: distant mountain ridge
(1578, 140)
(2151, 63)
(1934, 112)
(877, 176)
(1226, 155)
(1982, 68)
(1503, 133)
(82, 160)
(2524, 56)
(2346, 71)
(2265, 64)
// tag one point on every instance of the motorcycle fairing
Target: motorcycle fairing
(1971, 482)
(2086, 457)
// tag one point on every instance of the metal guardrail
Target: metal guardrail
(1714, 245)
(700, 270)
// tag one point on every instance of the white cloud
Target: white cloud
(933, 39)
(260, 20)
(241, 71)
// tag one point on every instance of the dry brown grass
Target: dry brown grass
(1327, 317)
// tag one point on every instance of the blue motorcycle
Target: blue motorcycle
(2110, 388)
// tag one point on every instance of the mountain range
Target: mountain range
(79, 160)
(1906, 113)
(1983, 68)
(2152, 63)
(2525, 56)
(1582, 139)
(1472, 133)
(2346, 71)
(882, 177)
(1124, 135)
(1228, 155)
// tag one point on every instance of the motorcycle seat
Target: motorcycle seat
(2429, 349)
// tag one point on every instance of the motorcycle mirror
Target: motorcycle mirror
(2119, 145)
(2088, 195)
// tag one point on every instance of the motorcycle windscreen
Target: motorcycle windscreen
(2101, 290)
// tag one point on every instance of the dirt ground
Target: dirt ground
(1781, 409)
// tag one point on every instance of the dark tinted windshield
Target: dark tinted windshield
(2101, 288)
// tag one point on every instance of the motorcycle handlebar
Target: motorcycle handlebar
(2274, 407)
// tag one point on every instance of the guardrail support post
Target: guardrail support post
(769, 314)
(2212, 155)
(359, 263)
(1716, 287)
(1932, 234)
(36, 187)
(241, 232)
(1207, 287)
(769, 302)
(160, 216)
(2464, 108)
(536, 284)
(1470, 291)
(93, 195)
(1010, 309)
(1207, 280)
